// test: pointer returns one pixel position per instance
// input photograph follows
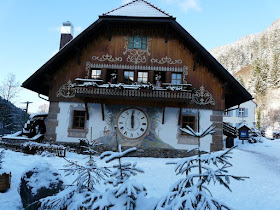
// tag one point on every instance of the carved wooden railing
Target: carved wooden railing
(143, 93)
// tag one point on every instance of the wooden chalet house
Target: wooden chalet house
(137, 73)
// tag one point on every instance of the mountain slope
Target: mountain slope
(246, 50)
(255, 61)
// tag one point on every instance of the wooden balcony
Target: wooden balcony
(130, 93)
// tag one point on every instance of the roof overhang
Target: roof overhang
(40, 80)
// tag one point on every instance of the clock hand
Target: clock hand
(132, 119)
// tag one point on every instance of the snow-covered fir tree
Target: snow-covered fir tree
(191, 192)
(1, 158)
(274, 78)
(126, 189)
(82, 193)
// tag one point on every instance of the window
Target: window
(242, 112)
(137, 42)
(176, 78)
(188, 120)
(79, 119)
(227, 113)
(142, 77)
(128, 77)
(96, 74)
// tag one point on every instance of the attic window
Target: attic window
(137, 42)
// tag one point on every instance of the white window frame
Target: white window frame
(241, 112)
(96, 73)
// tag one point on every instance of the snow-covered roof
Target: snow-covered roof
(137, 8)
(242, 125)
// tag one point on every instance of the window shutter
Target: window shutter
(144, 43)
(130, 42)
(237, 112)
(231, 113)
(246, 112)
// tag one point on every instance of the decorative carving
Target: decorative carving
(88, 66)
(136, 55)
(66, 90)
(107, 57)
(202, 97)
(166, 60)
(185, 74)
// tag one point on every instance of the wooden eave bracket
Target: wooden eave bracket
(163, 114)
(102, 111)
(86, 106)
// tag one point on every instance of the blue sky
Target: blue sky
(30, 34)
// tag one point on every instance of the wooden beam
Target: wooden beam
(102, 111)
(166, 34)
(224, 87)
(163, 114)
(109, 32)
(180, 116)
(86, 106)
(195, 60)
(78, 55)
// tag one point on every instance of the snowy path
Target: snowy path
(262, 189)
(272, 163)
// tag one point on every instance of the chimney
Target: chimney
(67, 32)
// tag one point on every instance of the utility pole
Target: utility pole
(26, 110)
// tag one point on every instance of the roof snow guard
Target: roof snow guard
(138, 8)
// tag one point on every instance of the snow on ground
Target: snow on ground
(260, 162)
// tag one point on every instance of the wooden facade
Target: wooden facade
(168, 50)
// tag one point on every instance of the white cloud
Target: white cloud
(186, 5)
(125, 1)
(190, 4)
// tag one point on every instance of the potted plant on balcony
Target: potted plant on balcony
(5, 176)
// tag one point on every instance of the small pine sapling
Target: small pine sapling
(126, 188)
(191, 192)
(1, 158)
(82, 193)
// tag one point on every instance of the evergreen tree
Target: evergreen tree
(240, 80)
(1, 157)
(191, 192)
(82, 193)
(258, 78)
(127, 189)
(275, 72)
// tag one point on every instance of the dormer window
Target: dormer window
(137, 42)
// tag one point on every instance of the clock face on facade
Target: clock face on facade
(132, 123)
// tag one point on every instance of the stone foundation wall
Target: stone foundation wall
(52, 122)
(217, 138)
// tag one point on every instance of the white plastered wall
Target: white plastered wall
(167, 132)
(65, 117)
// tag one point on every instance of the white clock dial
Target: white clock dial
(132, 123)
